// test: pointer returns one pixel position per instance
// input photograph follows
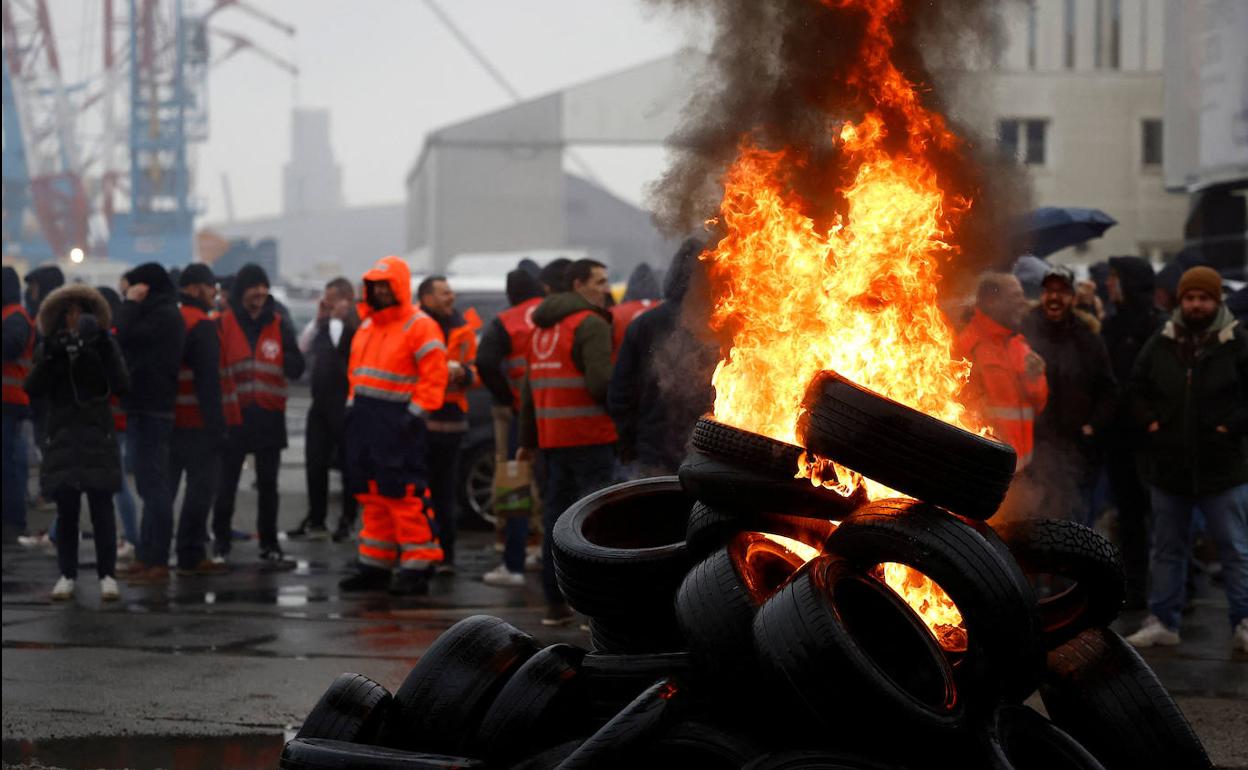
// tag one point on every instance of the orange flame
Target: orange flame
(860, 297)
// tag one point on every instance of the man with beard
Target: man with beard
(1081, 398)
(1189, 391)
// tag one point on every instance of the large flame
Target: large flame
(859, 297)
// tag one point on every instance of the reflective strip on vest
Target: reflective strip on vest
(368, 371)
(382, 394)
(567, 414)
(557, 382)
(427, 348)
(257, 381)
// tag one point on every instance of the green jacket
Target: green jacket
(591, 353)
(1190, 398)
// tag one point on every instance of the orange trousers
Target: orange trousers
(397, 528)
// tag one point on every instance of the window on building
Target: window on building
(1107, 35)
(1024, 139)
(1068, 35)
(1150, 142)
(1031, 35)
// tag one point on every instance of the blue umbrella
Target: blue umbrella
(1050, 229)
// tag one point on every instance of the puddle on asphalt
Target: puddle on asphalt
(149, 752)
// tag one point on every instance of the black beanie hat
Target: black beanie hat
(247, 276)
(196, 273)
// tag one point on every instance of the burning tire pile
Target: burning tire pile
(744, 618)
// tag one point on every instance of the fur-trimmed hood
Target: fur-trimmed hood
(52, 311)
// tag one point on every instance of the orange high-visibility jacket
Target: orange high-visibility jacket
(15, 372)
(398, 353)
(567, 415)
(624, 314)
(517, 321)
(186, 412)
(461, 346)
(258, 375)
(999, 390)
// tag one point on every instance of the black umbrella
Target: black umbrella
(1051, 229)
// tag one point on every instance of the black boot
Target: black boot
(409, 582)
(343, 532)
(366, 578)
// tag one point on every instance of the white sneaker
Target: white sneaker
(533, 562)
(501, 576)
(108, 589)
(125, 551)
(218, 559)
(39, 542)
(64, 589)
(1239, 640)
(1154, 632)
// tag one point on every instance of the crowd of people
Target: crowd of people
(1108, 399)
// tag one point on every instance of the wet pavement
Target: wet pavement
(213, 672)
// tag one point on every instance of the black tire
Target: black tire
(632, 730)
(1004, 655)
(1102, 692)
(544, 703)
(855, 653)
(903, 448)
(636, 634)
(622, 548)
(815, 760)
(323, 754)
(1079, 554)
(446, 694)
(716, 604)
(615, 680)
(731, 485)
(752, 450)
(702, 745)
(353, 709)
(544, 760)
(1017, 738)
(711, 528)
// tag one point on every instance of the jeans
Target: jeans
(150, 436)
(323, 448)
(1132, 500)
(267, 462)
(443, 461)
(68, 507)
(15, 472)
(124, 499)
(1226, 517)
(571, 473)
(200, 458)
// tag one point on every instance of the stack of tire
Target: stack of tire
(738, 619)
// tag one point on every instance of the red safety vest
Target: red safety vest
(258, 376)
(518, 323)
(15, 372)
(624, 314)
(186, 413)
(566, 414)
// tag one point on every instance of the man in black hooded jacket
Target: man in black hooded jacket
(1136, 318)
(151, 334)
(40, 282)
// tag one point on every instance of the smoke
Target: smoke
(775, 74)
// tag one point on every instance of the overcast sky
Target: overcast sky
(388, 71)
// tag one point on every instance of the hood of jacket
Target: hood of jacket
(155, 276)
(52, 311)
(559, 306)
(12, 286)
(247, 276)
(48, 278)
(522, 286)
(680, 271)
(642, 284)
(1137, 279)
(395, 272)
(1221, 327)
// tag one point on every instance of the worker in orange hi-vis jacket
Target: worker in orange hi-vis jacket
(398, 375)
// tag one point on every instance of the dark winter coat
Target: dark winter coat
(1082, 387)
(76, 375)
(265, 428)
(1189, 399)
(48, 279)
(329, 370)
(201, 353)
(151, 334)
(1134, 321)
(654, 418)
(17, 332)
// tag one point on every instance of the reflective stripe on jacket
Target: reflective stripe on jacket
(461, 347)
(518, 323)
(567, 415)
(258, 376)
(999, 390)
(15, 372)
(186, 412)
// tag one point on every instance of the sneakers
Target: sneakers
(274, 559)
(125, 551)
(558, 615)
(1154, 632)
(203, 567)
(1239, 640)
(309, 531)
(147, 576)
(64, 589)
(503, 577)
(409, 582)
(39, 542)
(343, 532)
(533, 562)
(220, 560)
(108, 589)
(366, 579)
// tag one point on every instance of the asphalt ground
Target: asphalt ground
(217, 671)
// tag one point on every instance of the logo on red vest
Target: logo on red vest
(545, 341)
(270, 349)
